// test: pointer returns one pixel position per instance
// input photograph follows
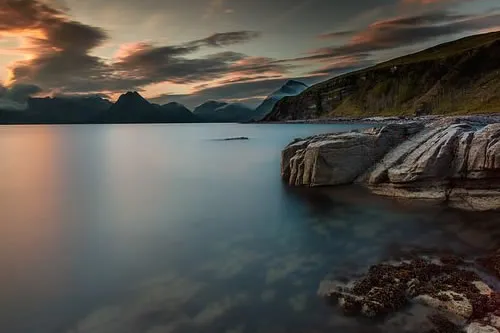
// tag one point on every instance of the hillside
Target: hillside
(459, 77)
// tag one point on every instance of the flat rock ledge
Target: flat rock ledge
(456, 292)
(453, 160)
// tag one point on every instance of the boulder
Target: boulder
(340, 158)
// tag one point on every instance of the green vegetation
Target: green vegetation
(459, 77)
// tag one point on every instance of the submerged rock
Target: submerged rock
(476, 327)
(491, 262)
(453, 160)
(453, 290)
(455, 293)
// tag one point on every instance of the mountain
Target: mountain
(178, 113)
(208, 108)
(290, 88)
(57, 110)
(66, 109)
(215, 111)
(458, 77)
(131, 107)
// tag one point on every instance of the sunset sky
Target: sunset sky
(194, 50)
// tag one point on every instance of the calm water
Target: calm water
(163, 229)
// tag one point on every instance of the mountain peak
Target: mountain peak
(131, 94)
(294, 83)
(131, 97)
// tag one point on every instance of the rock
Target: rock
(483, 288)
(495, 321)
(476, 327)
(491, 263)
(452, 160)
(234, 139)
(454, 163)
(340, 158)
(454, 291)
(448, 301)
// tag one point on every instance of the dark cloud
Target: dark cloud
(337, 34)
(25, 14)
(229, 38)
(21, 92)
(337, 69)
(62, 59)
(404, 31)
(15, 96)
(63, 62)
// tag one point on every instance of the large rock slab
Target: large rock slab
(455, 163)
(337, 159)
(453, 160)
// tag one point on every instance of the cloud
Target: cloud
(61, 57)
(214, 7)
(229, 38)
(402, 31)
(337, 34)
(15, 96)
(341, 68)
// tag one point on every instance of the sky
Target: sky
(192, 51)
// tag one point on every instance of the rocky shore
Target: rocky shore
(458, 292)
(455, 160)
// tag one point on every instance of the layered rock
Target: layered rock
(456, 163)
(340, 158)
(452, 160)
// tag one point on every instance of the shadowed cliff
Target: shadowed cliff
(458, 77)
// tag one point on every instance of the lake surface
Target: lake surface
(165, 229)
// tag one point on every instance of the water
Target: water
(165, 229)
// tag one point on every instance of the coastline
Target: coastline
(453, 160)
(493, 117)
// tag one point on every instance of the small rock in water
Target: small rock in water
(234, 139)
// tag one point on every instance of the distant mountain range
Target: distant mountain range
(131, 107)
(215, 111)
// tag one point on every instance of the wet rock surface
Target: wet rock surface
(458, 291)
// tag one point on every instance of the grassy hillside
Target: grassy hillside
(459, 77)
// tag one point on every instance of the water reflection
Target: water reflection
(31, 228)
(119, 229)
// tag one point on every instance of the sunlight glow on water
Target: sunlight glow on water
(161, 228)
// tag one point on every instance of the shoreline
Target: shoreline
(488, 117)
(453, 160)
